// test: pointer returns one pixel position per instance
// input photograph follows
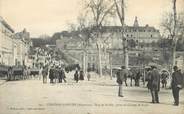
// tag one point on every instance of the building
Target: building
(6, 43)
(14, 47)
(22, 44)
(140, 34)
(140, 39)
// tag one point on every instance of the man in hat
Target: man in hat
(62, 75)
(176, 84)
(149, 78)
(154, 84)
(121, 74)
(44, 74)
(51, 74)
(164, 77)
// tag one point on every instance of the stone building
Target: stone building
(14, 47)
(22, 44)
(139, 34)
(6, 43)
(111, 44)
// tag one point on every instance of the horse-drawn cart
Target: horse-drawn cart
(16, 73)
(3, 72)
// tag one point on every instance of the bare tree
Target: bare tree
(85, 35)
(173, 25)
(99, 10)
(120, 9)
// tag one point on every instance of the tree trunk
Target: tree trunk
(121, 14)
(125, 50)
(173, 55)
(110, 61)
(99, 36)
(100, 60)
(126, 59)
(84, 62)
(174, 39)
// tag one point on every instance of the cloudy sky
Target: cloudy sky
(49, 16)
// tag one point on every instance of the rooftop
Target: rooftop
(6, 24)
(147, 27)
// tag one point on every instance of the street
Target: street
(86, 97)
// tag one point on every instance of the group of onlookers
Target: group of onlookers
(79, 75)
(154, 83)
(154, 79)
(57, 74)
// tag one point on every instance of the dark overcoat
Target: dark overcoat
(177, 79)
(81, 77)
(121, 75)
(76, 76)
(51, 73)
(155, 80)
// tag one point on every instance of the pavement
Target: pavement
(2, 82)
(98, 96)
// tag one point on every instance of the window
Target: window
(140, 30)
(151, 35)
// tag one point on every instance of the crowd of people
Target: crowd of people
(57, 74)
(154, 79)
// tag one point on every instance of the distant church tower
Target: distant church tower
(136, 24)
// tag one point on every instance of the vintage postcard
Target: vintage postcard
(91, 56)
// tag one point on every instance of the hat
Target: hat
(175, 67)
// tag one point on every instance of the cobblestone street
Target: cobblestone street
(93, 97)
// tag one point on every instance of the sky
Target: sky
(49, 16)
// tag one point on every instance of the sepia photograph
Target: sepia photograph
(91, 56)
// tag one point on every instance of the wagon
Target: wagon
(3, 71)
(34, 71)
(17, 73)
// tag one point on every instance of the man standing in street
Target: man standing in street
(164, 77)
(176, 84)
(121, 74)
(155, 84)
(76, 76)
(88, 76)
(62, 75)
(44, 74)
(51, 74)
(137, 78)
(149, 78)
